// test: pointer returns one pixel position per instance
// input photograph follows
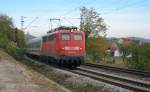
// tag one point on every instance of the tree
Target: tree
(9, 36)
(20, 38)
(11, 33)
(91, 23)
(95, 31)
(5, 26)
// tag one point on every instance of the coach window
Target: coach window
(77, 37)
(37, 44)
(65, 36)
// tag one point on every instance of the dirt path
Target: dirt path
(15, 77)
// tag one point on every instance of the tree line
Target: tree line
(11, 38)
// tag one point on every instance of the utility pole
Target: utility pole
(22, 23)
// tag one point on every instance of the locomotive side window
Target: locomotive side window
(65, 36)
(44, 38)
(51, 37)
(77, 37)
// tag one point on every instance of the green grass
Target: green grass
(112, 61)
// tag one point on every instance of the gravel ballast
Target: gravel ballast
(75, 82)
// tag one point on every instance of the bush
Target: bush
(10, 47)
(140, 57)
(3, 41)
(15, 52)
(96, 48)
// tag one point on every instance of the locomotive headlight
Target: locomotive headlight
(80, 48)
(63, 48)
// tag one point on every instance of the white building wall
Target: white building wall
(117, 53)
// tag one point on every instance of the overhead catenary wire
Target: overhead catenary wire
(68, 12)
(76, 8)
(31, 23)
(119, 8)
(69, 21)
(129, 5)
(125, 6)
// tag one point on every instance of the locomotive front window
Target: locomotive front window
(77, 37)
(65, 36)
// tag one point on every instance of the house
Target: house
(125, 41)
(113, 45)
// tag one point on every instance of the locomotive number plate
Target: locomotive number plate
(71, 48)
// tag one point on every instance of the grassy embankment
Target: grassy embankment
(60, 78)
(63, 79)
(118, 62)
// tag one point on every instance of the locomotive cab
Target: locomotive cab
(72, 47)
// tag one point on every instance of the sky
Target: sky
(124, 18)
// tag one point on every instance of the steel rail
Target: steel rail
(118, 81)
(124, 70)
(114, 80)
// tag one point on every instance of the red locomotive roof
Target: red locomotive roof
(64, 28)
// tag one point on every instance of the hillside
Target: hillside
(132, 38)
(29, 37)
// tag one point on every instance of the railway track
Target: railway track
(129, 71)
(135, 85)
(124, 82)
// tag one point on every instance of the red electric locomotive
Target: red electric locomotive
(65, 46)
